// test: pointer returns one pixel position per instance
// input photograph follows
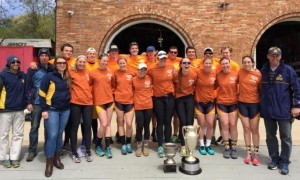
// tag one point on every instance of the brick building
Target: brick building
(250, 27)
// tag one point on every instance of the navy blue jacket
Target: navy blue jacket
(54, 92)
(12, 89)
(33, 83)
(280, 94)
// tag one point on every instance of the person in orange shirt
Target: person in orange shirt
(122, 83)
(184, 82)
(113, 58)
(226, 53)
(163, 100)
(205, 104)
(101, 81)
(91, 64)
(249, 87)
(190, 52)
(174, 61)
(133, 60)
(227, 81)
(81, 105)
(143, 92)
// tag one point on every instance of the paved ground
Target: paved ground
(131, 167)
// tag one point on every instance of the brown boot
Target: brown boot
(138, 152)
(49, 166)
(146, 148)
(57, 163)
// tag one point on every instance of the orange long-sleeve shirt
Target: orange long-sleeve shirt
(143, 92)
(162, 77)
(80, 91)
(188, 82)
(249, 85)
(205, 85)
(123, 86)
(101, 81)
(228, 88)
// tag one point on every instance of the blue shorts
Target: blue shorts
(250, 110)
(124, 107)
(204, 108)
(103, 107)
(226, 108)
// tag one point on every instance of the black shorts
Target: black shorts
(205, 108)
(124, 107)
(250, 110)
(103, 107)
(226, 108)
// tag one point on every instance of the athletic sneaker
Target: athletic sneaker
(7, 164)
(233, 154)
(160, 152)
(226, 153)
(76, 158)
(283, 169)
(88, 157)
(209, 150)
(174, 139)
(247, 159)
(202, 150)
(129, 148)
(15, 163)
(124, 149)
(219, 141)
(81, 151)
(108, 153)
(255, 160)
(273, 165)
(99, 151)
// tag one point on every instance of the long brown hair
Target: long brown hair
(66, 75)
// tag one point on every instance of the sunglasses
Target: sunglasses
(186, 63)
(209, 53)
(173, 52)
(61, 63)
(15, 62)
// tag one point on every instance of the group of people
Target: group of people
(157, 86)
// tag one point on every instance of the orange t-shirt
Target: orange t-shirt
(92, 66)
(133, 62)
(112, 65)
(80, 91)
(195, 63)
(101, 81)
(249, 85)
(162, 77)
(175, 62)
(123, 86)
(228, 88)
(205, 86)
(188, 82)
(143, 92)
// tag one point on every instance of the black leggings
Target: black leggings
(142, 118)
(86, 112)
(164, 110)
(185, 110)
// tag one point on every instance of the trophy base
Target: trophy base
(170, 168)
(190, 168)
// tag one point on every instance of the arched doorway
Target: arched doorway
(285, 35)
(145, 33)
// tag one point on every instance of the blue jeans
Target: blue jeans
(285, 128)
(36, 116)
(55, 125)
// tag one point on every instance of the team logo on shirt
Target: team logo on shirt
(253, 78)
(279, 78)
(128, 77)
(109, 75)
(147, 84)
(212, 80)
(232, 79)
(169, 72)
(191, 82)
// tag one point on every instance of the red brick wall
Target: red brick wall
(202, 23)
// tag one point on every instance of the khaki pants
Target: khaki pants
(15, 121)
